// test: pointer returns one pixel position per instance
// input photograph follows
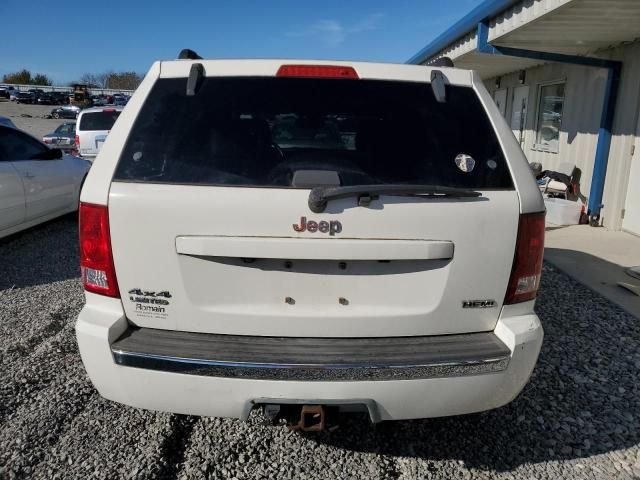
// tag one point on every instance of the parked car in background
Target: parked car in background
(60, 98)
(25, 97)
(66, 111)
(37, 183)
(62, 137)
(230, 262)
(13, 96)
(92, 128)
(6, 91)
(120, 99)
(53, 98)
(45, 98)
(7, 122)
(99, 100)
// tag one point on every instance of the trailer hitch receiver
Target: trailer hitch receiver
(312, 419)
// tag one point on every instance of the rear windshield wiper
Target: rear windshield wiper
(320, 196)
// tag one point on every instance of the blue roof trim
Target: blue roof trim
(466, 24)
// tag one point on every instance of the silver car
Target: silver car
(62, 137)
(7, 122)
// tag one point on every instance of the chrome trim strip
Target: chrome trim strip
(310, 372)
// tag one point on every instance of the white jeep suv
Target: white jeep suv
(346, 235)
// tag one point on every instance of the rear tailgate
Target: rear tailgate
(211, 287)
(210, 235)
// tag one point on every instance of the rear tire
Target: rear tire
(55, 115)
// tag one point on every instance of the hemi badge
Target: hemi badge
(478, 303)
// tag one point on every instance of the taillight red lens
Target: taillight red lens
(527, 263)
(77, 141)
(96, 260)
(324, 71)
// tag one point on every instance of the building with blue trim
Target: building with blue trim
(566, 76)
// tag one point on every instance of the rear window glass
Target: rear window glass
(98, 120)
(260, 131)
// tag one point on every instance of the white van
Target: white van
(311, 234)
(92, 127)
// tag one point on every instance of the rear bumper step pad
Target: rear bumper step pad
(311, 359)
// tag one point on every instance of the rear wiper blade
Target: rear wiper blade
(320, 196)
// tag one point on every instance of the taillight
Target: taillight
(527, 263)
(96, 260)
(77, 140)
(324, 71)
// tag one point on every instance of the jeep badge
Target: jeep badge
(322, 226)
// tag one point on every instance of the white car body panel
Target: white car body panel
(49, 185)
(167, 237)
(103, 320)
(208, 296)
(12, 202)
(269, 68)
(36, 191)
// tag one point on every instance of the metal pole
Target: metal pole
(603, 147)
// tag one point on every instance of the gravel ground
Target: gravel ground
(34, 123)
(577, 418)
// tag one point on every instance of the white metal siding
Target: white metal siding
(522, 13)
(576, 27)
(624, 134)
(584, 97)
(567, 26)
(462, 46)
(584, 92)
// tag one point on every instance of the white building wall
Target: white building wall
(583, 102)
(624, 133)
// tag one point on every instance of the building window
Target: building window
(550, 103)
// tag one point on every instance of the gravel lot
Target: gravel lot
(578, 418)
(35, 124)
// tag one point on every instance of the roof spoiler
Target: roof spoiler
(188, 54)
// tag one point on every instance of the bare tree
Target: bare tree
(90, 79)
(103, 79)
(112, 80)
(124, 80)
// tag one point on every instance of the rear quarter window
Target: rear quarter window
(98, 120)
(259, 131)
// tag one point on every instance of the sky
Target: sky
(65, 39)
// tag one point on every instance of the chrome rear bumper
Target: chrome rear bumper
(311, 359)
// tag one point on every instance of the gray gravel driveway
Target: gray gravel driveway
(578, 417)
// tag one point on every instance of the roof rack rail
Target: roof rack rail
(441, 62)
(188, 54)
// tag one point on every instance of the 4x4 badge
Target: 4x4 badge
(322, 226)
(143, 296)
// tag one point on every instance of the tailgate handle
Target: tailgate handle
(313, 248)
